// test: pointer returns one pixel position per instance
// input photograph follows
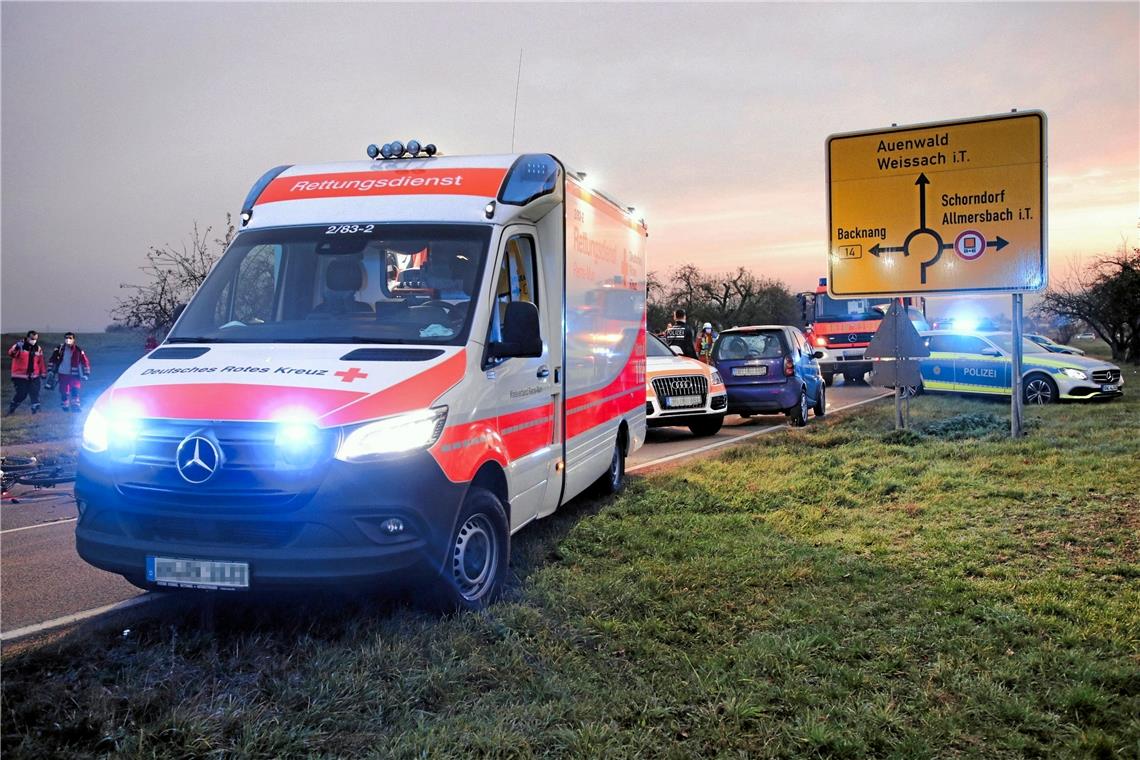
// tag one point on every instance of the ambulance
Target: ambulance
(396, 365)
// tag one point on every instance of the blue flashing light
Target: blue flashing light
(823, 281)
(413, 148)
(373, 151)
(531, 176)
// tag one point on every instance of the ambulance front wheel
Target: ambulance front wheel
(478, 554)
(829, 378)
(614, 478)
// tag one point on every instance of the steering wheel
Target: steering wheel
(447, 307)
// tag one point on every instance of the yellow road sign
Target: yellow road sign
(948, 207)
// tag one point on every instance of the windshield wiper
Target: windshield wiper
(198, 340)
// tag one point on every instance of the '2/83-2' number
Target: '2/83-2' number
(340, 229)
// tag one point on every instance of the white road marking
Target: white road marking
(78, 616)
(739, 438)
(40, 525)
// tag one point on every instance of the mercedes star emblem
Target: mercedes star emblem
(197, 459)
(852, 338)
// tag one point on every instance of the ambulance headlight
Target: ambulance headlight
(297, 442)
(393, 435)
(95, 432)
(116, 428)
(1075, 373)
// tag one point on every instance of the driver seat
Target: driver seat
(343, 278)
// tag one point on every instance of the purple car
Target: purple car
(770, 369)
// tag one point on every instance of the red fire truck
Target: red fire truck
(841, 329)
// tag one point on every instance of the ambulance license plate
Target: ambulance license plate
(1108, 388)
(196, 573)
(676, 402)
(749, 371)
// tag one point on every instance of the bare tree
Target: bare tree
(1106, 296)
(173, 274)
(725, 299)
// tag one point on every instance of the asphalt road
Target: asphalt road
(45, 583)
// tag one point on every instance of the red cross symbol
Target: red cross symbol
(350, 375)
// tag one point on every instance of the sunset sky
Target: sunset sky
(123, 124)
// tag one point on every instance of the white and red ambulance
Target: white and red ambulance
(395, 366)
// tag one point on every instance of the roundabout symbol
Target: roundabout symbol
(969, 245)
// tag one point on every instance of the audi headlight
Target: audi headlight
(716, 378)
(1075, 373)
(393, 435)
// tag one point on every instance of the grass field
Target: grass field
(841, 591)
(53, 434)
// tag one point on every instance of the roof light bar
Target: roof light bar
(397, 149)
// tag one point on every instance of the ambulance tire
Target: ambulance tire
(707, 426)
(850, 378)
(829, 378)
(613, 480)
(1039, 389)
(478, 556)
(797, 415)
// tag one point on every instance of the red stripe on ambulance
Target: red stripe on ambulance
(480, 182)
(417, 392)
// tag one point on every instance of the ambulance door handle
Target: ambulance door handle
(543, 372)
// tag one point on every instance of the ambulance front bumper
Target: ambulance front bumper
(339, 532)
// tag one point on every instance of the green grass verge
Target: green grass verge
(841, 591)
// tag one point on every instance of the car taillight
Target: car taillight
(789, 368)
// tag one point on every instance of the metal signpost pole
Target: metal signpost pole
(1015, 371)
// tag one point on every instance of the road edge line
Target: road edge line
(39, 525)
(28, 630)
(740, 438)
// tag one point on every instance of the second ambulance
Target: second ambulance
(396, 365)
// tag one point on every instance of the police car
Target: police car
(966, 362)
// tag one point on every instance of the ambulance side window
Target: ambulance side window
(516, 280)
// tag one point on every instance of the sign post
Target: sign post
(945, 208)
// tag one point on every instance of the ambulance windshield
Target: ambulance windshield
(341, 283)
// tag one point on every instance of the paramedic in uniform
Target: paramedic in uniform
(28, 368)
(680, 334)
(71, 367)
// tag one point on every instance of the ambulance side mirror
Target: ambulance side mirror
(521, 336)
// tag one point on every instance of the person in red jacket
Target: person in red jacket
(28, 368)
(71, 367)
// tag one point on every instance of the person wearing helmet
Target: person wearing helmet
(705, 340)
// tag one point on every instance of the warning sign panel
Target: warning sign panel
(948, 207)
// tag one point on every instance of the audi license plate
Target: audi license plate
(1108, 388)
(749, 371)
(676, 402)
(195, 573)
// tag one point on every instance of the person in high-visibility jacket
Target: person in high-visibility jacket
(28, 369)
(704, 345)
(71, 366)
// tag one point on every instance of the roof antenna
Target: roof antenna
(515, 123)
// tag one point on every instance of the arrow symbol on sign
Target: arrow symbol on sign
(922, 182)
(999, 243)
(876, 249)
